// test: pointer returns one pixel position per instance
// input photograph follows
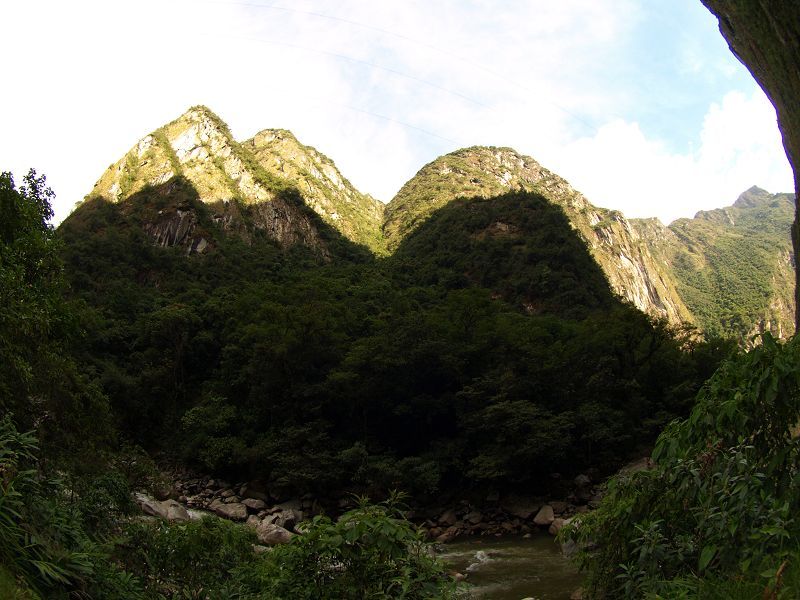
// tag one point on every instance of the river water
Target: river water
(513, 568)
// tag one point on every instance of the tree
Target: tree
(29, 279)
(40, 381)
(765, 36)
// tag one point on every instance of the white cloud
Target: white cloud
(739, 147)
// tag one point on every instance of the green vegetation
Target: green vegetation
(40, 382)
(358, 216)
(369, 552)
(59, 541)
(732, 266)
(65, 501)
(491, 324)
(717, 516)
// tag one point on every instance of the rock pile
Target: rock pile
(276, 522)
(511, 515)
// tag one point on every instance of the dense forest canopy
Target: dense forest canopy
(491, 324)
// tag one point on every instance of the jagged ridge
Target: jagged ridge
(682, 272)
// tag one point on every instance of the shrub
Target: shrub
(721, 503)
(370, 552)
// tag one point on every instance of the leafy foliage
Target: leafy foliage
(40, 382)
(44, 534)
(732, 266)
(369, 552)
(189, 560)
(721, 502)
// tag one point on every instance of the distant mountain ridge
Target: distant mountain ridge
(734, 266)
(727, 270)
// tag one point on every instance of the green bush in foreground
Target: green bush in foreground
(59, 543)
(370, 552)
(46, 550)
(718, 515)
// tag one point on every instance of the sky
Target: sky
(639, 104)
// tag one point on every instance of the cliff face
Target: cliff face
(618, 247)
(765, 37)
(729, 271)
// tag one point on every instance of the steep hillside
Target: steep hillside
(269, 180)
(734, 266)
(618, 248)
(518, 245)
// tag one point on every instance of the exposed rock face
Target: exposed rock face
(198, 149)
(765, 36)
(189, 182)
(631, 269)
(733, 267)
(197, 146)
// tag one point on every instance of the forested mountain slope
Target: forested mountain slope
(484, 172)
(733, 267)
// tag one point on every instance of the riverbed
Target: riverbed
(512, 568)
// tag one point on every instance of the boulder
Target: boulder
(448, 518)
(254, 504)
(171, 510)
(252, 521)
(582, 481)
(545, 516)
(288, 519)
(556, 526)
(558, 507)
(449, 535)
(271, 534)
(474, 517)
(175, 511)
(522, 509)
(235, 511)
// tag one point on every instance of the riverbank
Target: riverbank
(443, 521)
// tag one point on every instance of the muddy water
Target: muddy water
(512, 568)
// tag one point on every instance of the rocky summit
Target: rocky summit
(228, 176)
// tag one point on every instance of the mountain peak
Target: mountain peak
(199, 147)
(486, 172)
(751, 197)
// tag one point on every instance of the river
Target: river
(513, 568)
